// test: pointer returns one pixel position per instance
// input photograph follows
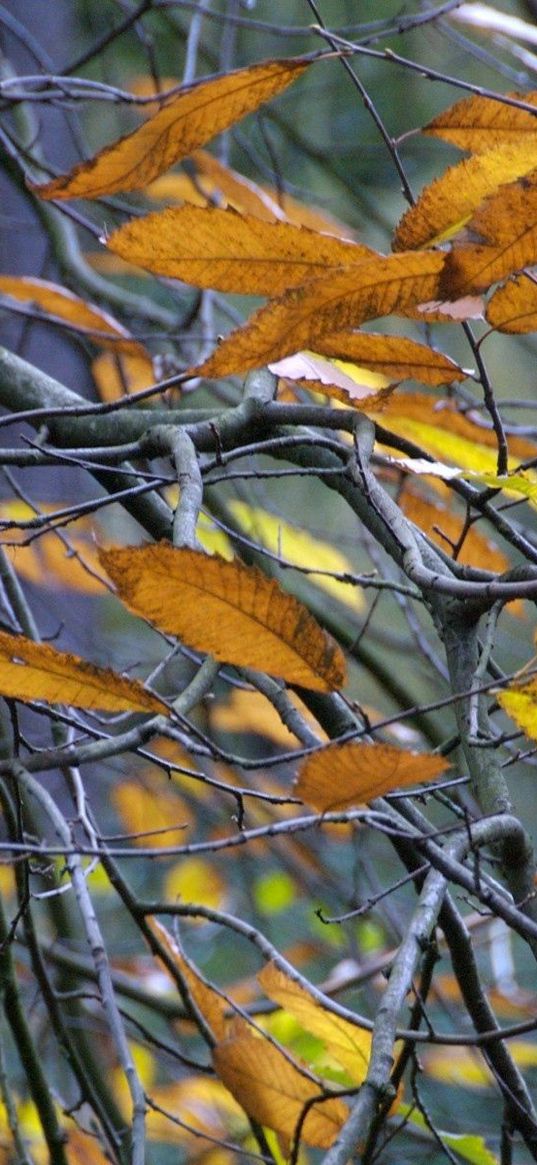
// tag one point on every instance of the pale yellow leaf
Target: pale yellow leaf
(184, 123)
(61, 304)
(231, 252)
(37, 671)
(347, 1042)
(227, 609)
(344, 775)
(373, 288)
(481, 123)
(272, 1089)
(210, 1004)
(447, 204)
(335, 378)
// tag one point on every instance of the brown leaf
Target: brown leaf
(273, 1090)
(513, 307)
(227, 609)
(230, 252)
(446, 205)
(375, 287)
(481, 123)
(507, 225)
(184, 123)
(85, 317)
(37, 671)
(345, 775)
(394, 356)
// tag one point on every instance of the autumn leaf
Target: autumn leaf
(67, 561)
(520, 703)
(212, 1006)
(231, 252)
(153, 813)
(348, 1043)
(373, 288)
(61, 304)
(344, 775)
(482, 123)
(206, 1108)
(395, 357)
(184, 123)
(275, 1096)
(117, 376)
(227, 609)
(209, 179)
(507, 225)
(445, 527)
(513, 307)
(337, 378)
(446, 205)
(37, 671)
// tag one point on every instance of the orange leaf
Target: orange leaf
(152, 811)
(231, 252)
(116, 376)
(431, 517)
(507, 224)
(54, 559)
(36, 671)
(344, 775)
(184, 123)
(347, 1042)
(446, 205)
(375, 287)
(227, 609)
(57, 301)
(513, 307)
(480, 123)
(211, 1005)
(393, 356)
(272, 1089)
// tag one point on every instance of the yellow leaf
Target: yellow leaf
(152, 809)
(446, 205)
(195, 880)
(245, 712)
(37, 671)
(348, 1043)
(513, 307)
(301, 548)
(184, 123)
(335, 378)
(462, 1066)
(227, 609)
(50, 560)
(231, 252)
(375, 287)
(520, 703)
(506, 224)
(395, 357)
(209, 180)
(272, 1089)
(210, 1004)
(344, 775)
(56, 301)
(480, 123)
(117, 376)
(204, 1106)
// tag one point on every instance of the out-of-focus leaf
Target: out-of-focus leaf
(149, 808)
(447, 204)
(70, 562)
(209, 181)
(469, 1146)
(37, 671)
(227, 609)
(520, 703)
(394, 357)
(120, 375)
(373, 288)
(348, 1043)
(273, 1090)
(245, 712)
(206, 1107)
(231, 252)
(211, 1005)
(274, 891)
(298, 546)
(513, 307)
(489, 19)
(184, 123)
(433, 517)
(195, 880)
(480, 123)
(87, 318)
(345, 775)
(506, 224)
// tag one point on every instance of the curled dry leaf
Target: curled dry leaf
(56, 301)
(337, 378)
(37, 671)
(345, 775)
(220, 249)
(373, 288)
(228, 610)
(184, 123)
